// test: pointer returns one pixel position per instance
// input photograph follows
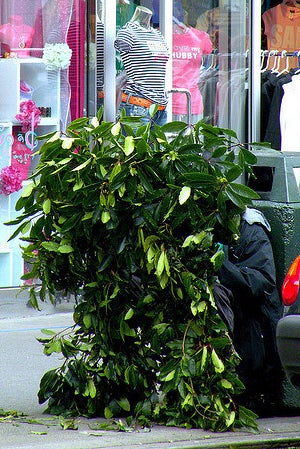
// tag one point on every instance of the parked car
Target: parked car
(288, 328)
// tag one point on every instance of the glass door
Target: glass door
(211, 61)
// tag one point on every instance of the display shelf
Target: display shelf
(45, 86)
(48, 121)
(4, 230)
(6, 140)
(5, 249)
(6, 269)
(16, 259)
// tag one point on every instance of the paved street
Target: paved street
(22, 365)
(23, 362)
(22, 359)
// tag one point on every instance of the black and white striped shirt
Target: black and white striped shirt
(144, 54)
(100, 55)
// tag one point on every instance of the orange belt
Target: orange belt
(140, 101)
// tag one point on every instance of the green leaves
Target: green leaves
(55, 247)
(217, 362)
(184, 194)
(240, 194)
(129, 145)
(127, 219)
(68, 424)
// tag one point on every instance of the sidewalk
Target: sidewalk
(22, 365)
(49, 435)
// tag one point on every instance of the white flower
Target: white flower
(57, 56)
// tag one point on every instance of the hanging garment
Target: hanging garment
(282, 30)
(207, 84)
(282, 27)
(275, 88)
(289, 116)
(268, 83)
(232, 97)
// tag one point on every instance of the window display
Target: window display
(218, 33)
(210, 58)
(144, 54)
(53, 53)
(34, 74)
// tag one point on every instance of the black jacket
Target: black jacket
(249, 273)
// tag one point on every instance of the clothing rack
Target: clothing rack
(280, 53)
(279, 61)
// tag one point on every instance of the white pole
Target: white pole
(109, 60)
(166, 27)
(254, 71)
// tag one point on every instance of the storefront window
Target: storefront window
(209, 57)
(42, 45)
(210, 60)
(280, 62)
(41, 71)
(200, 51)
(27, 26)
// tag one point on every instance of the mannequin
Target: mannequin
(142, 16)
(16, 36)
(144, 54)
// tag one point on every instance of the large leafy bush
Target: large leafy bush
(132, 219)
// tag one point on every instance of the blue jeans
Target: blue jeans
(132, 110)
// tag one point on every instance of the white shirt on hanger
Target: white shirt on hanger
(289, 115)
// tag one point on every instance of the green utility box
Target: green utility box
(278, 182)
(278, 185)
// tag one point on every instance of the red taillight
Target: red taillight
(290, 287)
